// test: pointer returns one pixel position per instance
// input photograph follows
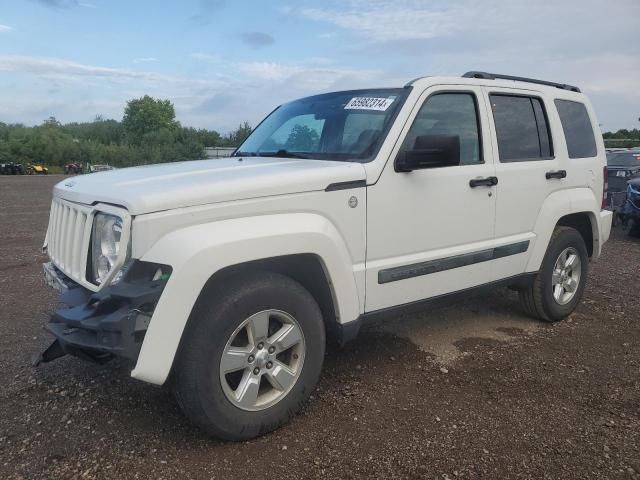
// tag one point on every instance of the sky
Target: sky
(222, 62)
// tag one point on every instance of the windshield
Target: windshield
(624, 159)
(346, 126)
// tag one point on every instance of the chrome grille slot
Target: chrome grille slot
(68, 238)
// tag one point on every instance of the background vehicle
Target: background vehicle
(631, 210)
(11, 169)
(227, 275)
(622, 165)
(72, 169)
(37, 170)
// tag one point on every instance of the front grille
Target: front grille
(68, 238)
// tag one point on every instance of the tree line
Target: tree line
(623, 138)
(148, 133)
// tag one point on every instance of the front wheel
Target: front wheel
(250, 357)
(559, 285)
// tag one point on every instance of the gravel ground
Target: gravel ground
(472, 390)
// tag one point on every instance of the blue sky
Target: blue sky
(225, 61)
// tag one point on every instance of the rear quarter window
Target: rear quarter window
(578, 132)
(521, 128)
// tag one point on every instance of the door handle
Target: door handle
(483, 182)
(556, 174)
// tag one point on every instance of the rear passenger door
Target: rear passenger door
(527, 164)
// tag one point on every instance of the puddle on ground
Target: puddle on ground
(494, 315)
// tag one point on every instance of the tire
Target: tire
(538, 300)
(206, 395)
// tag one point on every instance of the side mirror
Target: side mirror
(430, 151)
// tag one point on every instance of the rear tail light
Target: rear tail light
(605, 186)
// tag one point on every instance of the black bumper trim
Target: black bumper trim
(98, 326)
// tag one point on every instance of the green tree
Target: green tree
(149, 133)
(237, 136)
(146, 115)
(302, 139)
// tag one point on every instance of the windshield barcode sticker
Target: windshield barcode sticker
(369, 103)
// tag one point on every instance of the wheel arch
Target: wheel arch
(308, 269)
(306, 247)
(585, 224)
(574, 208)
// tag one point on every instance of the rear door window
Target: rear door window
(577, 128)
(522, 128)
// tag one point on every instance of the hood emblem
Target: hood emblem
(69, 184)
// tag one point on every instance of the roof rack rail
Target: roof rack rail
(494, 76)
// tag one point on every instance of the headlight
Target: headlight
(106, 238)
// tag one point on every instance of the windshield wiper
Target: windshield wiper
(282, 154)
(245, 154)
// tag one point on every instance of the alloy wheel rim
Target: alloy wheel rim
(262, 360)
(566, 276)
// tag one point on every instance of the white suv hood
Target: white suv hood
(155, 188)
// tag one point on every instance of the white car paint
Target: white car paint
(200, 217)
(154, 188)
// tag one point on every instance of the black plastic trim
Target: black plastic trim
(494, 76)
(107, 323)
(349, 331)
(346, 185)
(448, 263)
(517, 281)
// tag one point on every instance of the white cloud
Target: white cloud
(145, 60)
(5, 28)
(568, 41)
(61, 68)
(238, 91)
(384, 21)
(268, 70)
(206, 57)
(87, 5)
(42, 65)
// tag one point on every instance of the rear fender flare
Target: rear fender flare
(556, 206)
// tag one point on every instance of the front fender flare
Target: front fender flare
(197, 252)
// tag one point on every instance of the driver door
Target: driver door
(430, 231)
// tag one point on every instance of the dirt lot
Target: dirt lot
(467, 390)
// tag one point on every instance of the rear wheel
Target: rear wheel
(559, 285)
(251, 355)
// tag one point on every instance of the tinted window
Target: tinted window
(298, 134)
(448, 115)
(521, 127)
(357, 126)
(624, 159)
(345, 126)
(577, 129)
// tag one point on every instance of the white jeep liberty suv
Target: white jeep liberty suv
(223, 277)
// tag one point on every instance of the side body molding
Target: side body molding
(556, 206)
(195, 253)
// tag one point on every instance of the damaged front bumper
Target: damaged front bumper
(109, 323)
